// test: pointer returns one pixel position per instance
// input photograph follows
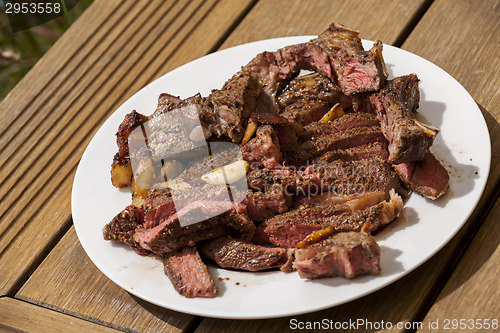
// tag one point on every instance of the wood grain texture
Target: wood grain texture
(67, 281)
(38, 162)
(385, 20)
(14, 318)
(472, 292)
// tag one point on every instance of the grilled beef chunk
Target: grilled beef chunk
(287, 229)
(356, 70)
(354, 177)
(350, 130)
(231, 106)
(293, 181)
(122, 228)
(366, 151)
(188, 274)
(227, 219)
(306, 111)
(162, 203)
(263, 205)
(312, 87)
(428, 177)
(396, 104)
(121, 170)
(228, 252)
(344, 123)
(345, 254)
(263, 149)
(166, 103)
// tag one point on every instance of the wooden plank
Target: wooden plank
(120, 66)
(385, 20)
(19, 316)
(68, 281)
(16, 103)
(400, 303)
(472, 292)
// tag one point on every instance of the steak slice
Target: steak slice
(347, 254)
(286, 230)
(367, 151)
(292, 181)
(122, 228)
(428, 177)
(263, 149)
(166, 103)
(170, 235)
(162, 203)
(263, 205)
(354, 177)
(228, 252)
(312, 87)
(339, 178)
(188, 274)
(396, 104)
(230, 106)
(356, 70)
(346, 122)
(305, 112)
(323, 143)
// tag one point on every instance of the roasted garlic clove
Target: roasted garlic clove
(227, 174)
(335, 112)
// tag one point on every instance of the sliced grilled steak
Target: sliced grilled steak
(346, 122)
(231, 106)
(220, 154)
(293, 181)
(188, 274)
(287, 229)
(312, 87)
(166, 103)
(306, 111)
(354, 177)
(323, 143)
(122, 228)
(263, 149)
(170, 235)
(263, 205)
(234, 253)
(347, 254)
(396, 104)
(356, 70)
(162, 203)
(367, 151)
(428, 178)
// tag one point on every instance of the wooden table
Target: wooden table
(48, 284)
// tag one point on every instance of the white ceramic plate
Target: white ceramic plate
(424, 228)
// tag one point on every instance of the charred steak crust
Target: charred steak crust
(345, 254)
(396, 104)
(238, 254)
(188, 273)
(122, 228)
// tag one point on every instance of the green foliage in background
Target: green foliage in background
(21, 50)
